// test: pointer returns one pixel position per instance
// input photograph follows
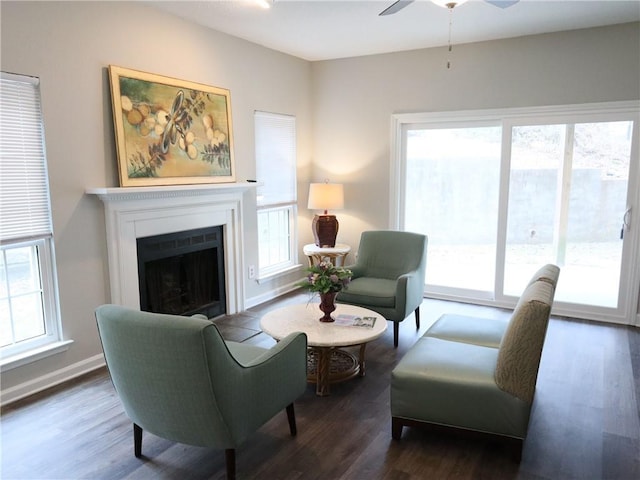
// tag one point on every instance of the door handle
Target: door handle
(626, 222)
(626, 219)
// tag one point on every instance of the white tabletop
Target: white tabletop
(313, 249)
(304, 317)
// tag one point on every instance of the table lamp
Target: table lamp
(325, 196)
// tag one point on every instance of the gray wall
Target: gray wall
(343, 109)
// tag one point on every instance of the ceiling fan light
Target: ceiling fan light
(264, 4)
(449, 3)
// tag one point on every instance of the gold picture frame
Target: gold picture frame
(170, 131)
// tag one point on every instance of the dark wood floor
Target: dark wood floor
(584, 425)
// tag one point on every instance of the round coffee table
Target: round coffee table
(326, 363)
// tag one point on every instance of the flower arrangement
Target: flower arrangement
(326, 278)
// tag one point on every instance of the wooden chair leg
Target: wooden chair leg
(396, 333)
(137, 441)
(396, 428)
(417, 313)
(230, 458)
(516, 447)
(291, 416)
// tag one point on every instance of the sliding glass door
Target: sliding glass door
(568, 192)
(452, 187)
(502, 195)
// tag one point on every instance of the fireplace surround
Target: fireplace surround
(137, 212)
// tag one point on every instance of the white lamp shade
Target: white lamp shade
(326, 196)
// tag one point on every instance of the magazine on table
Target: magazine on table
(346, 320)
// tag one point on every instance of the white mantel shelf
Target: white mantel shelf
(164, 191)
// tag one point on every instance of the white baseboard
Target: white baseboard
(52, 379)
(253, 301)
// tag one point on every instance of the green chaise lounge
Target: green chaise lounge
(477, 374)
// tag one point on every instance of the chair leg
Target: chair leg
(137, 441)
(230, 458)
(417, 313)
(396, 333)
(516, 450)
(396, 428)
(291, 416)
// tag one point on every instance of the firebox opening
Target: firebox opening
(182, 273)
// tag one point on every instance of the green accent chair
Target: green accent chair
(389, 275)
(178, 379)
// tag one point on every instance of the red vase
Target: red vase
(328, 305)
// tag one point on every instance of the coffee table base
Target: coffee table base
(327, 365)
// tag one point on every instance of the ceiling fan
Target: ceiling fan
(400, 4)
(449, 4)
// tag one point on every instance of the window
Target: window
(277, 198)
(502, 192)
(29, 319)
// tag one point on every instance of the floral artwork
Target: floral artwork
(169, 131)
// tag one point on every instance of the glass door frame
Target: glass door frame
(627, 308)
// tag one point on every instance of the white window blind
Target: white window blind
(275, 158)
(25, 211)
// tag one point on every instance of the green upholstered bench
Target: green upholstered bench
(476, 374)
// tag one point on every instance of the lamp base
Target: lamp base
(325, 230)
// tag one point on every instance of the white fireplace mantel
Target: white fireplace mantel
(136, 212)
(108, 194)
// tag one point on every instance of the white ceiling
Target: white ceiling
(325, 29)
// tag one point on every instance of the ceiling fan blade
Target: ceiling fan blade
(395, 7)
(502, 3)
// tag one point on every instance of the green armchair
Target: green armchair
(389, 275)
(178, 379)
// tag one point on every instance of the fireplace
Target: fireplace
(182, 273)
(134, 213)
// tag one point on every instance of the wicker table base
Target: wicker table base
(327, 365)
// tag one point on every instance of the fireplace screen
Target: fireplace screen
(182, 273)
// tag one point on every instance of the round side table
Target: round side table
(335, 255)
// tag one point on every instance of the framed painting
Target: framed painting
(170, 131)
